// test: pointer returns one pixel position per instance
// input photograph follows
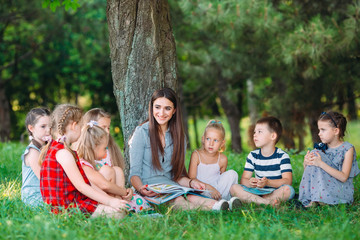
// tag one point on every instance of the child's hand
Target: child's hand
(197, 185)
(215, 194)
(129, 194)
(253, 182)
(316, 160)
(119, 204)
(146, 192)
(262, 182)
(307, 158)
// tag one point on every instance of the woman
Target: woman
(157, 153)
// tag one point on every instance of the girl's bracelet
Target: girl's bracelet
(190, 183)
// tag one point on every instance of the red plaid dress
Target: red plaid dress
(56, 187)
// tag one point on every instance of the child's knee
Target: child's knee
(233, 175)
(236, 188)
(288, 191)
(108, 172)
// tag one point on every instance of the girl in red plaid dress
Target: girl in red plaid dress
(63, 183)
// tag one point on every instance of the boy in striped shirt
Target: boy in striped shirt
(271, 165)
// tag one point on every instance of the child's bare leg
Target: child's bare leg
(237, 190)
(108, 173)
(120, 177)
(281, 194)
(103, 210)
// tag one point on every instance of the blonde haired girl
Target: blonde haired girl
(92, 145)
(208, 164)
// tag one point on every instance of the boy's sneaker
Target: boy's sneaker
(221, 205)
(234, 203)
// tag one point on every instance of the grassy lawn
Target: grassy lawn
(256, 222)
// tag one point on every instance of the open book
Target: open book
(258, 191)
(166, 192)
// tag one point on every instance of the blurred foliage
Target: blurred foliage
(66, 58)
(301, 56)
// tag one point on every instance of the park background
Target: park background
(236, 61)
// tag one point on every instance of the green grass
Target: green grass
(256, 222)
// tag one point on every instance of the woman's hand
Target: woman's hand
(119, 204)
(253, 182)
(196, 184)
(215, 194)
(146, 192)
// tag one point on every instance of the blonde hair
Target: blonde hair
(62, 116)
(215, 124)
(115, 153)
(91, 137)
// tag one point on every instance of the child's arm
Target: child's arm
(194, 162)
(342, 175)
(223, 163)
(248, 180)
(67, 161)
(32, 160)
(286, 178)
(99, 180)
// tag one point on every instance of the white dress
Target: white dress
(210, 174)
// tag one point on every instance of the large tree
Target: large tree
(142, 52)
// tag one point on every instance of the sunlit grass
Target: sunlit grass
(18, 221)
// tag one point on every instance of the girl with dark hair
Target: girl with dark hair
(331, 167)
(37, 123)
(157, 153)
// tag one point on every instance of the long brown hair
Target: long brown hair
(177, 134)
(115, 153)
(62, 116)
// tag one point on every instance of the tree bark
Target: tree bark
(143, 57)
(233, 114)
(5, 122)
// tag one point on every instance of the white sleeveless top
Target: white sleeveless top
(208, 173)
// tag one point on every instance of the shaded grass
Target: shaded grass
(18, 221)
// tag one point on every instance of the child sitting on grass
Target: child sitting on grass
(208, 164)
(273, 172)
(331, 167)
(37, 123)
(63, 183)
(93, 144)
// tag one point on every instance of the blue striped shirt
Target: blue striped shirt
(270, 167)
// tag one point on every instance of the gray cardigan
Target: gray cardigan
(141, 160)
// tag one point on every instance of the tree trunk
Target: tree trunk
(233, 115)
(143, 57)
(252, 112)
(313, 117)
(5, 123)
(352, 111)
(196, 130)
